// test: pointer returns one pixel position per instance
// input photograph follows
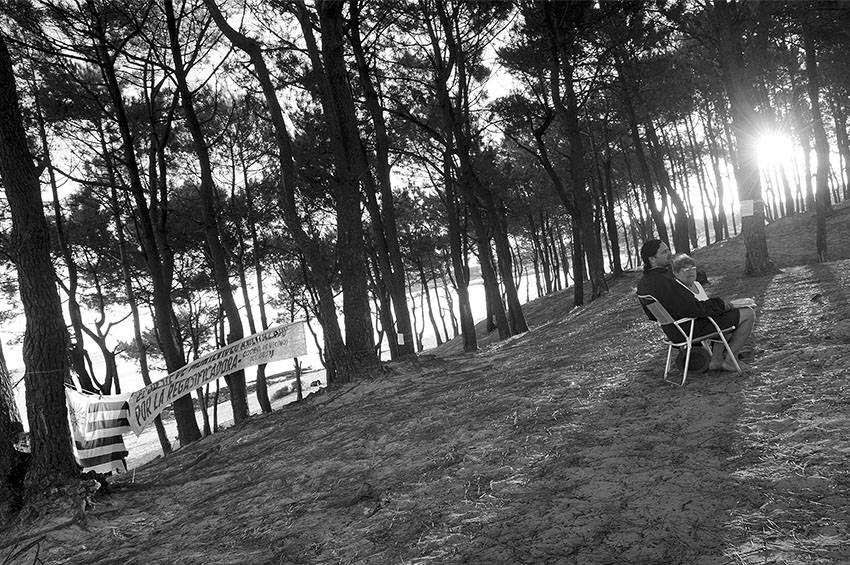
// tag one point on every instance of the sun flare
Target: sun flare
(773, 149)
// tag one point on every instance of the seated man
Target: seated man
(658, 280)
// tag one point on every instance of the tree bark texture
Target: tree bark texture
(349, 168)
(46, 338)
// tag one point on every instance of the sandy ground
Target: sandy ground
(562, 445)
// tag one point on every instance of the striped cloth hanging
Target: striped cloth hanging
(97, 426)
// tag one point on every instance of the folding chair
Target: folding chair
(677, 337)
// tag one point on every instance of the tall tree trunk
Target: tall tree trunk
(684, 184)
(584, 236)
(205, 412)
(801, 127)
(478, 197)
(578, 262)
(417, 332)
(546, 256)
(195, 348)
(516, 319)
(731, 158)
(643, 221)
(637, 236)
(610, 220)
(184, 412)
(455, 144)
(562, 252)
(556, 258)
(262, 385)
(705, 200)
(821, 144)
(536, 252)
(450, 304)
(833, 186)
(349, 169)
(436, 269)
(744, 124)
(839, 116)
(341, 366)
(771, 210)
(423, 281)
(808, 198)
(127, 280)
(584, 204)
(459, 266)
(629, 264)
(394, 278)
(491, 281)
(45, 338)
(383, 303)
(790, 201)
(721, 226)
(218, 256)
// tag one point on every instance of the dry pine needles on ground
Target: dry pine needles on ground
(562, 445)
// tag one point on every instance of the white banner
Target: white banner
(274, 344)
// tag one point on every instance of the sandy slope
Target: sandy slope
(562, 445)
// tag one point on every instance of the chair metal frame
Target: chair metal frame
(663, 318)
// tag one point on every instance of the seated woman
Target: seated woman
(685, 271)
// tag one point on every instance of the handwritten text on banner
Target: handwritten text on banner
(274, 344)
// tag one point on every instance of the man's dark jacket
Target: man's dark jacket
(675, 297)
